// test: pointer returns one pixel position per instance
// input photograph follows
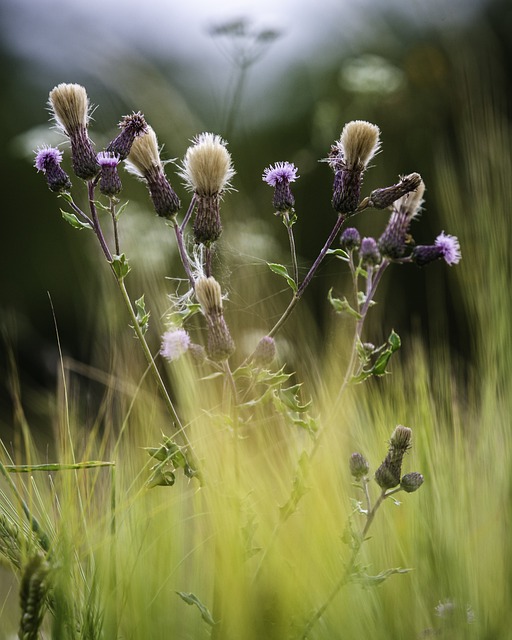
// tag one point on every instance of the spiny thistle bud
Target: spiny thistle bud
(411, 482)
(33, 591)
(359, 466)
(144, 162)
(369, 252)
(48, 160)
(70, 107)
(131, 127)
(393, 243)
(110, 182)
(350, 239)
(175, 343)
(197, 353)
(220, 343)
(207, 169)
(265, 352)
(388, 474)
(349, 157)
(279, 176)
(446, 247)
(383, 198)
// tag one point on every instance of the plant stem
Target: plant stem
(289, 227)
(309, 276)
(183, 253)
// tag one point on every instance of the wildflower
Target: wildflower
(350, 239)
(383, 198)
(369, 252)
(359, 466)
(48, 160)
(175, 343)
(411, 482)
(393, 243)
(209, 295)
(70, 107)
(131, 126)
(110, 182)
(388, 474)
(265, 352)
(279, 176)
(445, 246)
(144, 162)
(207, 169)
(349, 157)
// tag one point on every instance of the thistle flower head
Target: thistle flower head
(265, 352)
(359, 466)
(350, 239)
(175, 343)
(108, 159)
(132, 126)
(449, 247)
(280, 172)
(383, 198)
(207, 167)
(369, 252)
(358, 143)
(48, 160)
(209, 295)
(110, 182)
(401, 438)
(70, 107)
(411, 482)
(388, 474)
(144, 156)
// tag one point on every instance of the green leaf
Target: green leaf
(142, 314)
(282, 271)
(299, 488)
(120, 266)
(342, 306)
(192, 599)
(394, 343)
(71, 219)
(366, 580)
(339, 253)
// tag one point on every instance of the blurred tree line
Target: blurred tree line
(415, 82)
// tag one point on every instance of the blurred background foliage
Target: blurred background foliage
(418, 80)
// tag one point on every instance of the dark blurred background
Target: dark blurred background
(278, 83)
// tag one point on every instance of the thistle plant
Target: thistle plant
(255, 385)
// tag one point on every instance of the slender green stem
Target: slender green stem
(183, 252)
(115, 225)
(151, 363)
(289, 227)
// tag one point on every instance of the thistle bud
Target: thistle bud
(48, 160)
(197, 353)
(207, 169)
(110, 182)
(388, 474)
(349, 157)
(265, 352)
(369, 252)
(411, 482)
(131, 126)
(220, 344)
(144, 162)
(350, 239)
(393, 243)
(383, 198)
(279, 176)
(70, 107)
(359, 466)
(446, 247)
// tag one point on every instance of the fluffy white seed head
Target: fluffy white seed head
(70, 107)
(209, 295)
(207, 167)
(144, 156)
(358, 143)
(410, 204)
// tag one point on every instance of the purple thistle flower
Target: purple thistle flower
(48, 160)
(369, 252)
(280, 172)
(350, 239)
(279, 176)
(131, 126)
(450, 248)
(110, 182)
(175, 343)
